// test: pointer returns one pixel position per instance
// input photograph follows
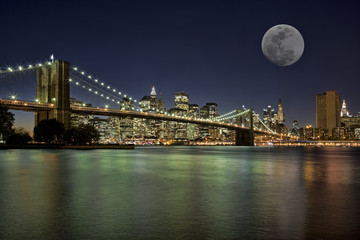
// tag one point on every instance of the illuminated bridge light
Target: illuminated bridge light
(49, 63)
(89, 76)
(118, 102)
(119, 93)
(102, 95)
(10, 69)
(20, 68)
(96, 80)
(108, 87)
(96, 92)
(82, 73)
(40, 64)
(30, 66)
(107, 97)
(75, 68)
(77, 83)
(70, 80)
(125, 95)
(102, 84)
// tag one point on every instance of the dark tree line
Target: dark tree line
(52, 131)
(48, 131)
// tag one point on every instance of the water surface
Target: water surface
(181, 193)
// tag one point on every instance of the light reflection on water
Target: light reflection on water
(181, 192)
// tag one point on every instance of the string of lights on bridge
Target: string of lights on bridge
(113, 95)
(230, 115)
(22, 68)
(102, 84)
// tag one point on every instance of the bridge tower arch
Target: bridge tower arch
(53, 87)
(245, 137)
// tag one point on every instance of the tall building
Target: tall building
(328, 111)
(269, 117)
(344, 112)
(280, 113)
(280, 120)
(126, 104)
(295, 129)
(152, 103)
(153, 100)
(182, 101)
(161, 104)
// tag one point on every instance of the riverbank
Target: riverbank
(75, 147)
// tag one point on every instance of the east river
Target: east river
(181, 193)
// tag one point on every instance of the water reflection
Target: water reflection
(186, 193)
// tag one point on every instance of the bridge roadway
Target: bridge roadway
(37, 106)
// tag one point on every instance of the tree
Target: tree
(19, 137)
(6, 122)
(83, 134)
(49, 131)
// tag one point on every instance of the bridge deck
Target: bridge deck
(36, 107)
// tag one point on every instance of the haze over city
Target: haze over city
(209, 49)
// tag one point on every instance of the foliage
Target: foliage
(49, 131)
(6, 122)
(19, 137)
(83, 134)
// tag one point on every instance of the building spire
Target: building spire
(153, 92)
(344, 112)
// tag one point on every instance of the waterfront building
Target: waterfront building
(269, 117)
(193, 111)
(193, 131)
(295, 129)
(79, 119)
(280, 120)
(328, 111)
(145, 103)
(344, 112)
(351, 124)
(126, 104)
(182, 101)
(212, 110)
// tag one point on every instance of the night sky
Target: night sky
(208, 49)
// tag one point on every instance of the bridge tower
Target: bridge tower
(245, 137)
(53, 87)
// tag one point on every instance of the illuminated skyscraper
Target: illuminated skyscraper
(344, 112)
(268, 117)
(328, 111)
(182, 101)
(280, 113)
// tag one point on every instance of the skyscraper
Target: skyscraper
(328, 111)
(344, 111)
(280, 113)
(182, 101)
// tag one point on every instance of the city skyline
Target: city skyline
(210, 50)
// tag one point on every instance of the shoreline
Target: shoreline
(75, 147)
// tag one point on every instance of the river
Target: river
(181, 193)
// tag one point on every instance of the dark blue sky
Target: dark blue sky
(208, 49)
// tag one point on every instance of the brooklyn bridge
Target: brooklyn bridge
(55, 78)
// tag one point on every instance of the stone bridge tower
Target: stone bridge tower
(53, 87)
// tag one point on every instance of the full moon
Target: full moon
(282, 45)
